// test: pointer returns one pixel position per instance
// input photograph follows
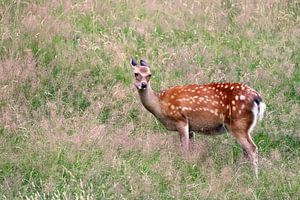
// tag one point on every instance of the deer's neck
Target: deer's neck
(150, 101)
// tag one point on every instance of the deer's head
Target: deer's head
(142, 74)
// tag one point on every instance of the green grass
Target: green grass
(71, 123)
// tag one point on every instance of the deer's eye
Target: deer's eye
(149, 75)
(136, 75)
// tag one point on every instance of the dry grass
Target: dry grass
(72, 126)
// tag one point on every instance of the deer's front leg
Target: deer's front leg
(183, 130)
(191, 139)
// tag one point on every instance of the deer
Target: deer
(210, 109)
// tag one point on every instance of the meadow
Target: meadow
(72, 125)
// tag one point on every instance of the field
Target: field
(72, 125)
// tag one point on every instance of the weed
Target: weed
(71, 123)
(104, 115)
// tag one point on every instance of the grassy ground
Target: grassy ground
(72, 126)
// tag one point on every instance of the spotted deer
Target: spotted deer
(210, 108)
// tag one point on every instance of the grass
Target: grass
(71, 123)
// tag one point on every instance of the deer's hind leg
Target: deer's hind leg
(241, 131)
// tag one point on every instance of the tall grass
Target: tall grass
(72, 126)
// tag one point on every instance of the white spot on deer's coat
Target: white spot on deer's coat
(231, 87)
(242, 97)
(236, 97)
(226, 86)
(233, 102)
(172, 97)
(172, 107)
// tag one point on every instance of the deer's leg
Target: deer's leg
(192, 136)
(251, 150)
(191, 139)
(183, 130)
(248, 147)
(253, 154)
(240, 130)
(246, 156)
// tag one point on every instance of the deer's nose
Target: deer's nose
(144, 85)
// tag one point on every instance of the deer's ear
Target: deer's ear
(133, 63)
(144, 63)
